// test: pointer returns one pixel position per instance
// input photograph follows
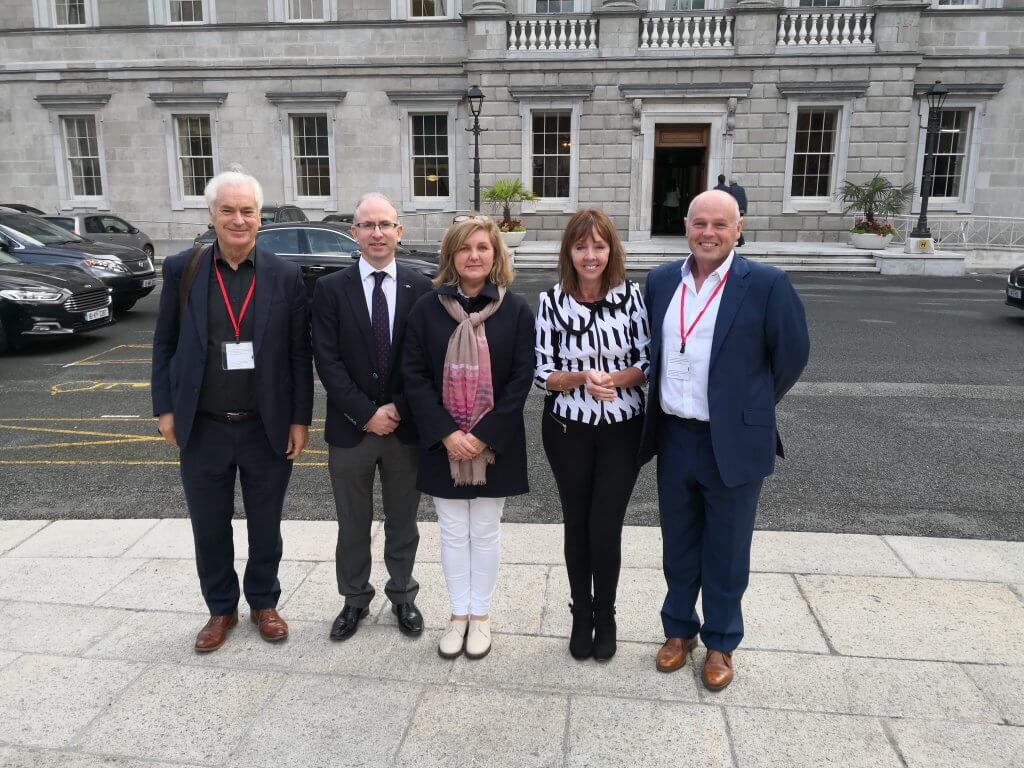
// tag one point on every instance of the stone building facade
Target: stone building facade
(129, 105)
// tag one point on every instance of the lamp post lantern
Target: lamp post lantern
(476, 101)
(936, 96)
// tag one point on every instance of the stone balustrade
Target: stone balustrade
(552, 33)
(685, 32)
(831, 28)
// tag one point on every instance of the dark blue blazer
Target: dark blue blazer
(281, 343)
(759, 348)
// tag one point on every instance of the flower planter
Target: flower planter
(869, 241)
(513, 239)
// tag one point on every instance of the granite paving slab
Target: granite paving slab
(638, 608)
(173, 585)
(374, 651)
(544, 664)
(48, 700)
(647, 734)
(30, 627)
(79, 580)
(918, 618)
(827, 553)
(172, 538)
(13, 532)
(317, 598)
(6, 657)
(479, 727)
(936, 745)
(1004, 687)
(855, 686)
(774, 739)
(360, 722)
(961, 559)
(13, 757)
(182, 713)
(310, 539)
(84, 538)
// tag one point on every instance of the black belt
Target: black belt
(695, 425)
(231, 417)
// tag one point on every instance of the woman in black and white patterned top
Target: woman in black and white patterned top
(592, 339)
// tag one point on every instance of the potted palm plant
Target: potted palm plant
(506, 193)
(878, 197)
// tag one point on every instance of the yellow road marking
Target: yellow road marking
(56, 419)
(69, 387)
(65, 462)
(139, 439)
(132, 438)
(91, 358)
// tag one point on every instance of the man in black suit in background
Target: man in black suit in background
(359, 320)
(232, 387)
(733, 188)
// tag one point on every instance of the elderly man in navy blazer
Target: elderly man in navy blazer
(232, 387)
(728, 340)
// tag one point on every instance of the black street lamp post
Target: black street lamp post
(476, 101)
(936, 96)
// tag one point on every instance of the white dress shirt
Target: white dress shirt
(686, 395)
(366, 270)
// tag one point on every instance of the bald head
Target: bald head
(713, 225)
(375, 199)
(715, 200)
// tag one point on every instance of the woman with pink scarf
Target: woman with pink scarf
(468, 365)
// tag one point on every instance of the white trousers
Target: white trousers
(470, 550)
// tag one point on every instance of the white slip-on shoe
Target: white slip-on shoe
(478, 639)
(451, 643)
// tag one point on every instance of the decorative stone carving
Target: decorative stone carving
(730, 116)
(637, 109)
(489, 6)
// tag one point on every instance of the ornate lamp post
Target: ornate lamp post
(936, 96)
(476, 102)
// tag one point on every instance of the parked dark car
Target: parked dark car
(321, 248)
(22, 208)
(269, 214)
(105, 228)
(38, 302)
(34, 240)
(1015, 288)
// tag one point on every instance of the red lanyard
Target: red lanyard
(236, 324)
(684, 335)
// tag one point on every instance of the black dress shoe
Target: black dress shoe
(410, 620)
(348, 622)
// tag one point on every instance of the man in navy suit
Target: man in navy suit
(359, 320)
(728, 340)
(232, 387)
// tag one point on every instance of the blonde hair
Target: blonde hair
(581, 226)
(455, 238)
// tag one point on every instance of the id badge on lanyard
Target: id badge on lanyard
(237, 355)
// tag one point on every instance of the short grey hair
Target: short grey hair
(232, 179)
(374, 196)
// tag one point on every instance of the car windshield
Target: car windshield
(267, 217)
(40, 230)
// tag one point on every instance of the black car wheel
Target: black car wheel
(148, 250)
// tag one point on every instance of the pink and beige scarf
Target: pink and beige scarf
(468, 394)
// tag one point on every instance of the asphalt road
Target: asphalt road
(907, 421)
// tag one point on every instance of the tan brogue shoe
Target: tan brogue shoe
(273, 628)
(672, 655)
(212, 636)
(717, 672)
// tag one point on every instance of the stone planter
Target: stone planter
(513, 239)
(869, 241)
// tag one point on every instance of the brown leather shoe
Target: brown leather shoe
(717, 672)
(273, 628)
(212, 636)
(672, 655)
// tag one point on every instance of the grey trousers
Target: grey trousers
(352, 472)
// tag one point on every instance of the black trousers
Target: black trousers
(595, 468)
(216, 454)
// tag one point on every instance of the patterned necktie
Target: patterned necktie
(380, 323)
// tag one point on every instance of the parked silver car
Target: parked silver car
(105, 228)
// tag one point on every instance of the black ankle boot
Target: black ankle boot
(604, 633)
(581, 640)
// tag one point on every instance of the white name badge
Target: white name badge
(679, 366)
(238, 357)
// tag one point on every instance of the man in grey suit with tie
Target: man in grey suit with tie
(359, 318)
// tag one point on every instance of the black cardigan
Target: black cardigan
(510, 339)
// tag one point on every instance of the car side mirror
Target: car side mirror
(133, 231)
(356, 254)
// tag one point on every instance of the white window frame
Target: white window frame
(965, 203)
(661, 6)
(58, 106)
(44, 14)
(67, 184)
(160, 13)
(578, 6)
(179, 200)
(825, 203)
(277, 10)
(410, 202)
(795, 4)
(291, 195)
(527, 106)
(402, 10)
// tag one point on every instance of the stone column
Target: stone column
(897, 25)
(620, 5)
(489, 6)
(756, 27)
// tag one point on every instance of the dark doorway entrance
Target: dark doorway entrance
(680, 174)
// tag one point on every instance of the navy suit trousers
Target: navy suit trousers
(706, 530)
(216, 454)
